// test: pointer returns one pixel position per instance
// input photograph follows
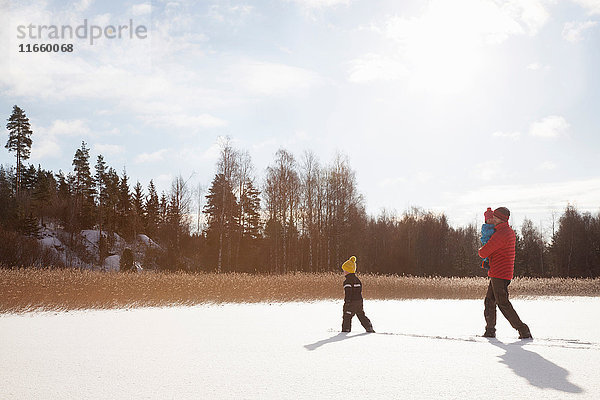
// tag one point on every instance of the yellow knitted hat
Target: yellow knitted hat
(350, 265)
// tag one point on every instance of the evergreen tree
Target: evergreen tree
(530, 251)
(178, 212)
(163, 209)
(83, 187)
(124, 207)
(112, 200)
(249, 226)
(7, 199)
(44, 192)
(138, 208)
(152, 211)
(250, 206)
(221, 209)
(27, 223)
(19, 140)
(101, 203)
(65, 210)
(573, 245)
(29, 177)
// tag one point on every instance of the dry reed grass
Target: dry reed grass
(31, 289)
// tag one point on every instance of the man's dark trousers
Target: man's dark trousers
(497, 294)
(355, 308)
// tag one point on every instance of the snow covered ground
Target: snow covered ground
(424, 349)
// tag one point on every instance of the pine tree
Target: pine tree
(65, 210)
(29, 177)
(112, 200)
(250, 206)
(27, 224)
(152, 211)
(83, 187)
(249, 220)
(138, 208)
(19, 140)
(101, 202)
(44, 192)
(7, 199)
(178, 221)
(221, 209)
(124, 206)
(163, 217)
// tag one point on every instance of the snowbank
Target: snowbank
(424, 349)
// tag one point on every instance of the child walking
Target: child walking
(353, 300)
(487, 230)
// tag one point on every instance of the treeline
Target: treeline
(303, 216)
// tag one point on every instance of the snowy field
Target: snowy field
(424, 349)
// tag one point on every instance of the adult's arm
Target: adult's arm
(495, 242)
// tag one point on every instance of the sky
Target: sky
(448, 106)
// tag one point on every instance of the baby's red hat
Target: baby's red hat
(488, 214)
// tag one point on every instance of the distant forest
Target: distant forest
(304, 216)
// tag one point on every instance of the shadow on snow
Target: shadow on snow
(336, 338)
(538, 371)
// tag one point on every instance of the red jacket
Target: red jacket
(501, 252)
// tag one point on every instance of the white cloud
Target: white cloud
(268, 143)
(234, 15)
(317, 4)
(550, 127)
(163, 182)
(488, 170)
(185, 121)
(76, 127)
(374, 67)
(46, 143)
(130, 76)
(83, 5)
(151, 157)
(109, 149)
(271, 79)
(591, 6)
(392, 182)
(46, 147)
(547, 166)
(507, 135)
(573, 31)
(441, 50)
(141, 9)
(538, 67)
(197, 156)
(423, 177)
(531, 198)
(445, 23)
(530, 13)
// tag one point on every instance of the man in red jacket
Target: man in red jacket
(501, 252)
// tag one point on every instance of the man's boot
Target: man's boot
(525, 333)
(489, 333)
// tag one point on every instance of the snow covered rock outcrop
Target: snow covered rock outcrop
(83, 250)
